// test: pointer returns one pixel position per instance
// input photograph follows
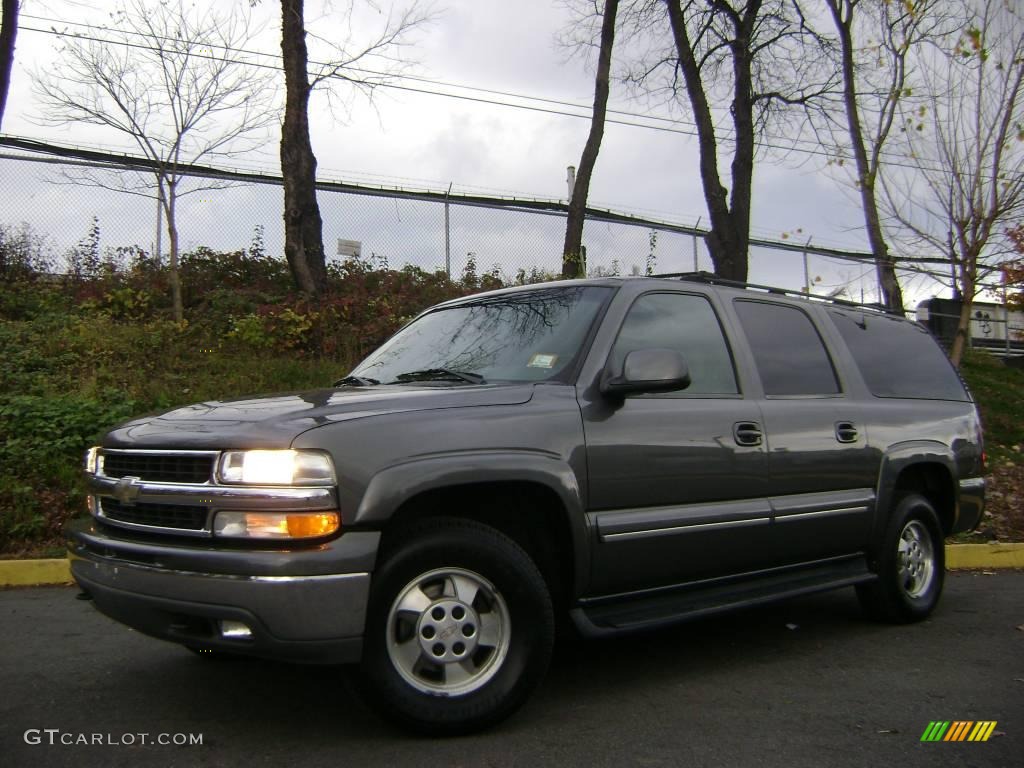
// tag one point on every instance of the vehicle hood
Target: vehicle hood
(273, 421)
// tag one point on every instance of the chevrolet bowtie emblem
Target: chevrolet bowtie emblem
(127, 490)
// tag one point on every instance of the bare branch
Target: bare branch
(966, 146)
(181, 97)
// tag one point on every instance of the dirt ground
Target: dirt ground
(1004, 504)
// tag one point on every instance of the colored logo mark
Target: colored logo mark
(958, 730)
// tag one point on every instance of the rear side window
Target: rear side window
(898, 358)
(685, 323)
(790, 356)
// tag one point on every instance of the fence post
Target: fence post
(447, 235)
(696, 264)
(807, 268)
(159, 220)
(1006, 326)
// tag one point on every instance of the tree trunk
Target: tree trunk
(728, 238)
(966, 290)
(174, 277)
(8, 36)
(303, 227)
(885, 265)
(734, 261)
(572, 256)
(963, 328)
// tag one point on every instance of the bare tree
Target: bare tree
(8, 37)
(362, 66)
(750, 65)
(1013, 271)
(967, 149)
(572, 251)
(874, 84)
(173, 84)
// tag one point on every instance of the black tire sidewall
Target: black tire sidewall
(900, 605)
(457, 544)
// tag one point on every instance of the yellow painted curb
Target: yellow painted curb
(22, 573)
(985, 555)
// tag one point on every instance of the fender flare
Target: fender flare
(390, 488)
(899, 457)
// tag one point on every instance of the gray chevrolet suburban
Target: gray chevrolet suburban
(627, 453)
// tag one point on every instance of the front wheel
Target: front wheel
(911, 565)
(459, 630)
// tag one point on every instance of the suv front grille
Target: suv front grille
(160, 467)
(158, 515)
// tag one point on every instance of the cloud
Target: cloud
(417, 140)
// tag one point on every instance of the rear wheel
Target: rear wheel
(459, 630)
(911, 565)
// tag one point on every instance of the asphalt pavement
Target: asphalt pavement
(804, 683)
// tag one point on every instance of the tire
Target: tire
(911, 565)
(459, 628)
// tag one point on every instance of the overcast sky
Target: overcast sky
(420, 140)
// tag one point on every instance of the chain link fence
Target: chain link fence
(59, 195)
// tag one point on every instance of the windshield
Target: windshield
(532, 335)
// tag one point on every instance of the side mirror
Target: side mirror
(648, 370)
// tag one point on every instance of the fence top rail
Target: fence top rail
(41, 151)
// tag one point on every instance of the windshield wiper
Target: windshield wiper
(355, 381)
(440, 374)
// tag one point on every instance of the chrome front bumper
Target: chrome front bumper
(306, 605)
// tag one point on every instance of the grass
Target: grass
(999, 392)
(67, 378)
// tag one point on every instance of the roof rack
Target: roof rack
(712, 279)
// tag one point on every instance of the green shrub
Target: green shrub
(999, 391)
(280, 329)
(42, 440)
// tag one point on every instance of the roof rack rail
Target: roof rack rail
(712, 279)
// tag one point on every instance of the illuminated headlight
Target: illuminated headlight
(276, 468)
(93, 461)
(275, 525)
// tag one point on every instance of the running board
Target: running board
(635, 612)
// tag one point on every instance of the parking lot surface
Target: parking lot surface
(804, 683)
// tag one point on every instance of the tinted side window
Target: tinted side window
(897, 358)
(788, 351)
(685, 323)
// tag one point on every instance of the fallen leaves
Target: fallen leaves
(1004, 502)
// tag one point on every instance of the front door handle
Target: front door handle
(846, 432)
(747, 433)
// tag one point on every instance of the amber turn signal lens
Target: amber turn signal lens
(309, 525)
(275, 525)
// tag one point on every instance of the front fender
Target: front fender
(390, 488)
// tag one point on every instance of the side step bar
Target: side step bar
(639, 611)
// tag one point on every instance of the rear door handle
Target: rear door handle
(846, 432)
(747, 433)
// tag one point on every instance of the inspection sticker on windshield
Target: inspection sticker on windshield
(542, 361)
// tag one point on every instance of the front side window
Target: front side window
(790, 356)
(686, 323)
(531, 335)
